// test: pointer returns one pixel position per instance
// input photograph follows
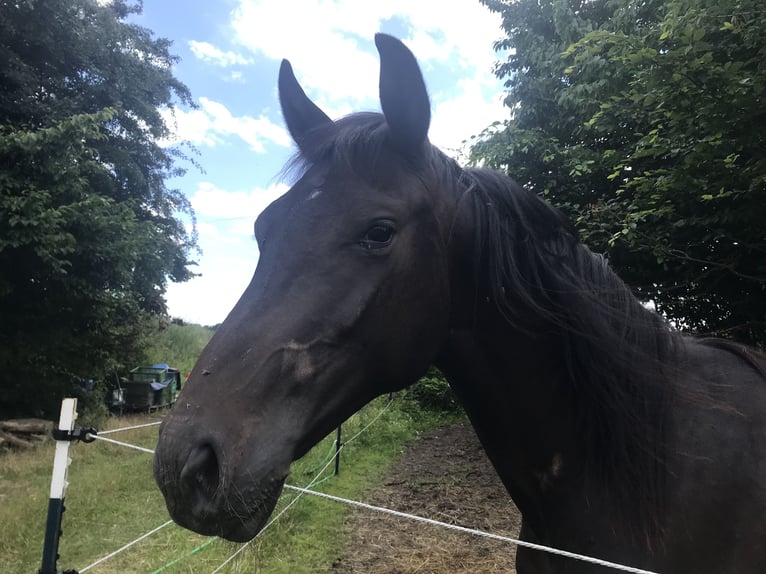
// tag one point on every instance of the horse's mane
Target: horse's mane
(619, 355)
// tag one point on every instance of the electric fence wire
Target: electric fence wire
(241, 548)
(301, 491)
(101, 433)
(312, 483)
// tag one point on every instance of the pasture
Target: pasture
(112, 499)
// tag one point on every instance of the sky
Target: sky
(230, 52)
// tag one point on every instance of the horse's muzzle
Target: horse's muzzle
(201, 494)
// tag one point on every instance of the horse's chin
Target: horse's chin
(239, 520)
(233, 530)
(242, 530)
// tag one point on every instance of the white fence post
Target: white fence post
(58, 485)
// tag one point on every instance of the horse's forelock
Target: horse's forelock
(361, 144)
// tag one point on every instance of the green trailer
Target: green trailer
(147, 388)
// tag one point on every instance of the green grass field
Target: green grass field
(112, 499)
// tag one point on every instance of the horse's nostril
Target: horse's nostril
(201, 472)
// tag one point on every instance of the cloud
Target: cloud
(229, 251)
(212, 123)
(206, 52)
(209, 298)
(455, 119)
(330, 44)
(316, 38)
(460, 35)
(210, 201)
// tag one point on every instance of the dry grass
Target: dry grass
(444, 476)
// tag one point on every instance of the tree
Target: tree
(89, 232)
(646, 123)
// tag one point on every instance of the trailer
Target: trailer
(146, 388)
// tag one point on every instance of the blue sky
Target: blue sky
(230, 53)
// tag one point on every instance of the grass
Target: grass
(112, 499)
(178, 345)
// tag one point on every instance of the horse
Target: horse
(616, 435)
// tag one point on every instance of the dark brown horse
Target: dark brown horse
(616, 436)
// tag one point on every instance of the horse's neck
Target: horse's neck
(509, 386)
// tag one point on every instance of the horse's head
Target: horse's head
(350, 299)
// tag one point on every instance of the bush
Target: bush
(432, 392)
(91, 407)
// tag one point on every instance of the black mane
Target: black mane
(619, 355)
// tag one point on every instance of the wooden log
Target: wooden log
(15, 441)
(27, 426)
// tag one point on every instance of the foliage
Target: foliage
(433, 393)
(646, 123)
(89, 234)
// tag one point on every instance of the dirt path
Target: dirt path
(444, 475)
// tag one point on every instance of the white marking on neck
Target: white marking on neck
(548, 477)
(556, 463)
(298, 359)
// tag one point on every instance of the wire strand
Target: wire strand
(102, 433)
(120, 443)
(314, 481)
(306, 490)
(128, 545)
(472, 531)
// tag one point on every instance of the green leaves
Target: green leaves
(89, 231)
(649, 129)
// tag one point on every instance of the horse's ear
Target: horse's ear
(403, 95)
(300, 113)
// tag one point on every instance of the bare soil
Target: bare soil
(444, 475)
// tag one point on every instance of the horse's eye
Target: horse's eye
(378, 236)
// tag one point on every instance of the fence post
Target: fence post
(58, 487)
(337, 451)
